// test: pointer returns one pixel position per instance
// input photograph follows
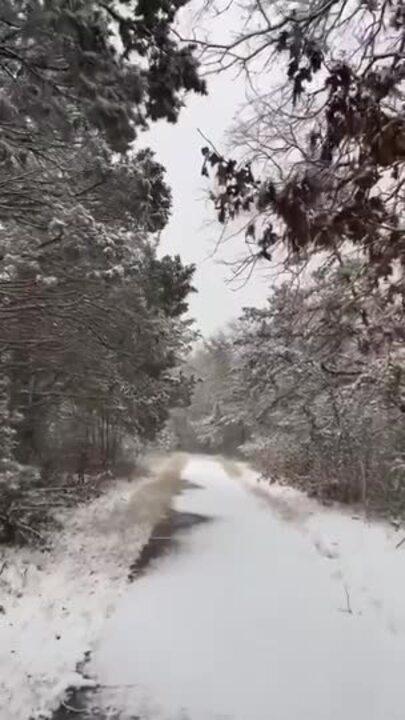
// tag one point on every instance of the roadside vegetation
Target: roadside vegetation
(93, 326)
(311, 385)
(92, 319)
(291, 387)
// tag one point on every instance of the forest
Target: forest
(98, 356)
(202, 359)
(310, 387)
(92, 318)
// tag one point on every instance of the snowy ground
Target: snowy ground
(278, 608)
(54, 605)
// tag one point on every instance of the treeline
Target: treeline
(310, 390)
(92, 320)
(311, 387)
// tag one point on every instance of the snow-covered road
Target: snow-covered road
(247, 619)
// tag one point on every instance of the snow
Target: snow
(367, 560)
(56, 604)
(277, 608)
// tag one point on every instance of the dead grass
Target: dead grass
(231, 467)
(288, 510)
(151, 502)
(143, 504)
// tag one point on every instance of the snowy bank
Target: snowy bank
(53, 604)
(365, 556)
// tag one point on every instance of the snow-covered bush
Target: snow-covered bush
(316, 382)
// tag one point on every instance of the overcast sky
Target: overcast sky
(192, 231)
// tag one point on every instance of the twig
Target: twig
(118, 687)
(348, 608)
(401, 542)
(200, 132)
(23, 526)
(71, 709)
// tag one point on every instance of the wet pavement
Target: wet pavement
(83, 704)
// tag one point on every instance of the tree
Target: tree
(320, 396)
(92, 321)
(323, 137)
(75, 64)
(215, 420)
(315, 181)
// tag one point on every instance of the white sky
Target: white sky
(193, 231)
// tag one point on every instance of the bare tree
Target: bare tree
(322, 139)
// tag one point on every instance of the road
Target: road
(242, 619)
